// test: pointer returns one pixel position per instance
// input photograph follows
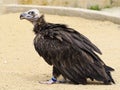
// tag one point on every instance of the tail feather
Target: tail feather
(108, 70)
(110, 76)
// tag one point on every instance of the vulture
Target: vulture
(71, 54)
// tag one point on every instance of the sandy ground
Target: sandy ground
(21, 68)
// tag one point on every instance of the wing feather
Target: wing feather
(78, 40)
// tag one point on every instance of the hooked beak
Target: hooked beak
(22, 16)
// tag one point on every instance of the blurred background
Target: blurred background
(111, 7)
(90, 4)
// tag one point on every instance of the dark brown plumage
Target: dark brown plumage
(71, 53)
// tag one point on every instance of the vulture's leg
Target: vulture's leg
(56, 73)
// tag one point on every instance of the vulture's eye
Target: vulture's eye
(31, 13)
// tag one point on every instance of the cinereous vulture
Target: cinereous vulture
(71, 54)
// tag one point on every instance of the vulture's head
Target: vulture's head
(32, 15)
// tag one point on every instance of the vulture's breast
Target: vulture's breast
(50, 49)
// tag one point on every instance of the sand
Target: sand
(21, 68)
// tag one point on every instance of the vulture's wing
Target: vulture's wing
(77, 40)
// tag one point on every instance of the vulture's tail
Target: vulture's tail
(108, 71)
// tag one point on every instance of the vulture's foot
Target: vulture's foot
(51, 81)
(47, 82)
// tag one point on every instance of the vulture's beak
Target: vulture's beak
(23, 16)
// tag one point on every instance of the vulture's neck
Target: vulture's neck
(39, 25)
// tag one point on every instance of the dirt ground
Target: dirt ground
(21, 68)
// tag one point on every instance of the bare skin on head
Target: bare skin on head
(32, 15)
